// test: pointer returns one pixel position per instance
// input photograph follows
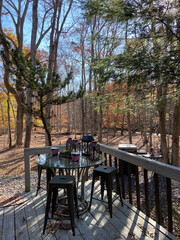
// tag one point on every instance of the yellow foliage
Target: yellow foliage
(4, 111)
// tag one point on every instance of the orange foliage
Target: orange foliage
(42, 55)
(112, 111)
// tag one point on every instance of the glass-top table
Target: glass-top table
(67, 165)
(59, 162)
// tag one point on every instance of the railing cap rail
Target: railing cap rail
(45, 149)
(163, 169)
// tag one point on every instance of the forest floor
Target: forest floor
(12, 159)
(12, 164)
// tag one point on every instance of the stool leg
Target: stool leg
(102, 187)
(118, 188)
(39, 179)
(55, 194)
(76, 200)
(71, 207)
(92, 189)
(47, 207)
(109, 193)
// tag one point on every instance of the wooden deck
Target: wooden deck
(25, 221)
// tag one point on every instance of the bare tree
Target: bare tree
(58, 20)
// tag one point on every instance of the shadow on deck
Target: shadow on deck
(25, 221)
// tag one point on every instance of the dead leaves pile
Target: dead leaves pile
(54, 225)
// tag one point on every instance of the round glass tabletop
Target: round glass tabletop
(49, 161)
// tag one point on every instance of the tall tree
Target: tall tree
(17, 12)
(33, 59)
(154, 62)
(18, 19)
(58, 21)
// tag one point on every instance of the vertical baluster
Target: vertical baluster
(115, 165)
(137, 187)
(169, 204)
(115, 162)
(146, 192)
(156, 180)
(110, 160)
(129, 182)
(105, 155)
(121, 164)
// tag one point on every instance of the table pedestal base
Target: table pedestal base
(62, 209)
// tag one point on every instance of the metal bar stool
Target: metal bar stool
(106, 173)
(65, 182)
(40, 168)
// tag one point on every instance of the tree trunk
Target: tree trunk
(129, 127)
(108, 125)
(29, 92)
(176, 134)
(9, 121)
(19, 122)
(69, 118)
(57, 118)
(2, 116)
(100, 125)
(150, 132)
(60, 120)
(82, 112)
(56, 30)
(122, 127)
(74, 118)
(145, 140)
(86, 126)
(28, 119)
(45, 124)
(19, 23)
(115, 121)
(161, 92)
(176, 120)
(19, 99)
(83, 80)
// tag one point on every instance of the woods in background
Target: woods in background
(115, 65)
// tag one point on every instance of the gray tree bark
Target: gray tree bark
(29, 91)
(176, 134)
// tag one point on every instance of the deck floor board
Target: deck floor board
(26, 220)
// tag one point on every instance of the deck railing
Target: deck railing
(137, 175)
(132, 168)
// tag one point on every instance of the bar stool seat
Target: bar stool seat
(106, 173)
(65, 182)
